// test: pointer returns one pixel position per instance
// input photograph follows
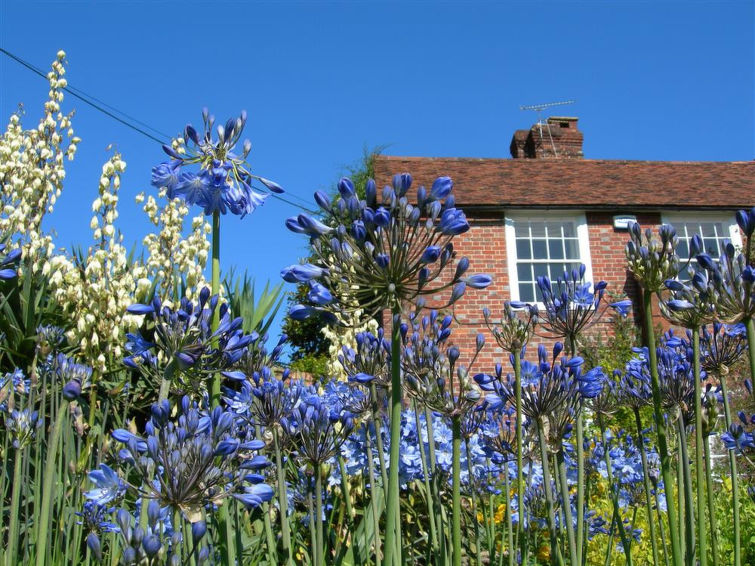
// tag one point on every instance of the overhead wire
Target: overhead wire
(103, 107)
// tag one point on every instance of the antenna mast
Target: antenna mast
(539, 108)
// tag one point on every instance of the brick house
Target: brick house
(547, 208)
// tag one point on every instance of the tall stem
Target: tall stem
(750, 328)
(625, 541)
(567, 509)
(426, 480)
(548, 493)
(47, 489)
(318, 513)
(660, 425)
(15, 507)
(580, 470)
(393, 526)
(711, 503)
(215, 289)
(699, 466)
(509, 524)
(282, 498)
(733, 473)
(521, 538)
(456, 473)
(689, 511)
(646, 483)
(374, 492)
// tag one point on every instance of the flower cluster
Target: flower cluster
(198, 459)
(95, 289)
(223, 182)
(381, 252)
(32, 171)
(172, 256)
(183, 346)
(652, 261)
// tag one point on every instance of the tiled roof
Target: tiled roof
(582, 183)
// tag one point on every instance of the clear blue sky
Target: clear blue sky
(323, 80)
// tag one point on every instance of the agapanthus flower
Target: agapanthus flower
(108, 485)
(515, 328)
(571, 304)
(691, 304)
(383, 252)
(10, 383)
(22, 426)
(317, 430)
(184, 344)
(8, 262)
(223, 182)
(731, 278)
(430, 365)
(652, 261)
(196, 459)
(49, 339)
(721, 346)
(96, 518)
(738, 437)
(552, 390)
(74, 376)
(370, 362)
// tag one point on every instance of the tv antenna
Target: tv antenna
(539, 109)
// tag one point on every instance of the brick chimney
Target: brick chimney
(556, 138)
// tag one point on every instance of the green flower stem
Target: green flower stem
(426, 477)
(614, 489)
(609, 546)
(750, 328)
(699, 466)
(567, 508)
(272, 550)
(474, 496)
(430, 439)
(345, 489)
(379, 436)
(509, 519)
(733, 472)
(43, 525)
(376, 497)
(680, 495)
(282, 498)
(661, 528)
(660, 425)
(548, 493)
(577, 558)
(312, 530)
(689, 511)
(319, 549)
(393, 526)
(520, 536)
(456, 488)
(15, 506)
(711, 504)
(215, 289)
(166, 381)
(646, 483)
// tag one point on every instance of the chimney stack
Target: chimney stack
(556, 138)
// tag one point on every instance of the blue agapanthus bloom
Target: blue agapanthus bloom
(196, 459)
(8, 262)
(382, 252)
(184, 341)
(21, 426)
(738, 437)
(223, 182)
(108, 485)
(571, 303)
(721, 346)
(553, 389)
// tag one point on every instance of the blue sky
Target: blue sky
(323, 80)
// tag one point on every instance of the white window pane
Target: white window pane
(538, 229)
(523, 249)
(570, 230)
(526, 292)
(556, 249)
(539, 249)
(524, 272)
(522, 229)
(572, 249)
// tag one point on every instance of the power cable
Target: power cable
(101, 106)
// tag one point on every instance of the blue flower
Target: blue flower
(108, 485)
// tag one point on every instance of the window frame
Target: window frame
(583, 239)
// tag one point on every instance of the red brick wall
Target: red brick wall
(485, 246)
